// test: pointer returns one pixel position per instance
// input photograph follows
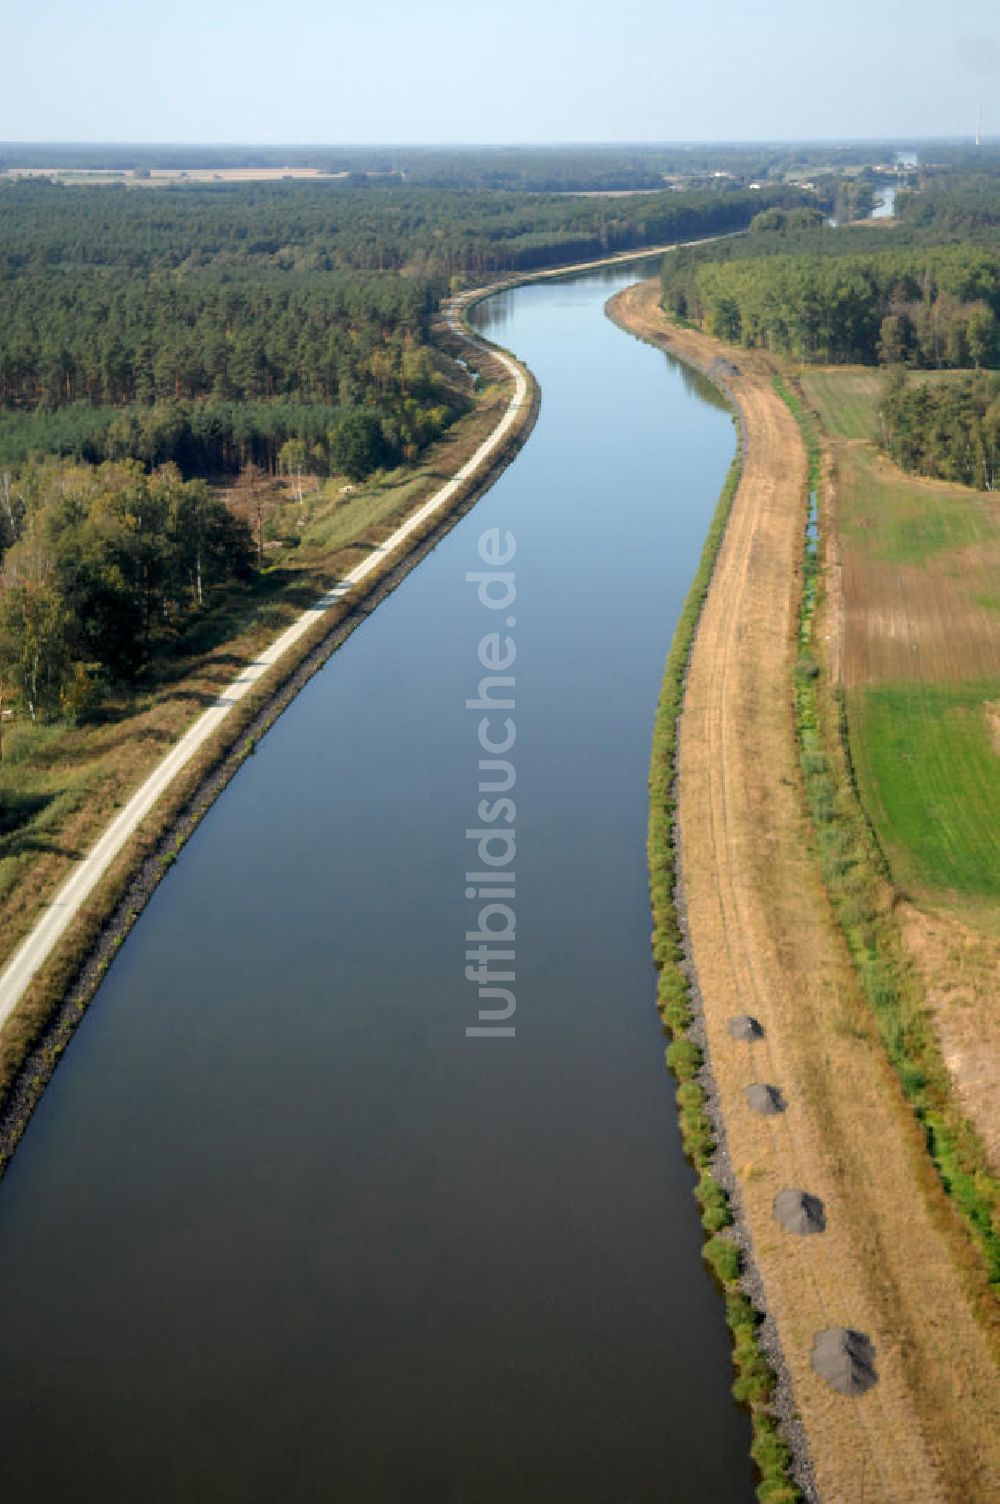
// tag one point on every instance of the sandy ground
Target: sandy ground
(763, 942)
(960, 967)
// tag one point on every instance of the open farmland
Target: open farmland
(921, 662)
(173, 176)
(920, 665)
(848, 396)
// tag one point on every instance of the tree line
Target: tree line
(948, 429)
(953, 204)
(933, 307)
(304, 226)
(213, 437)
(111, 336)
(531, 168)
(214, 371)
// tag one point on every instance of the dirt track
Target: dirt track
(763, 942)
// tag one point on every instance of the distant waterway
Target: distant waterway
(280, 1229)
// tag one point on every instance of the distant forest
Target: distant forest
(307, 226)
(957, 205)
(211, 326)
(522, 168)
(151, 339)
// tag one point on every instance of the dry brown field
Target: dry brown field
(159, 176)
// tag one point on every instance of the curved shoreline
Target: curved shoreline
(240, 743)
(763, 940)
(48, 991)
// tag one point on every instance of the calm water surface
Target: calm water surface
(279, 1230)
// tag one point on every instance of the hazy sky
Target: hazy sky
(308, 71)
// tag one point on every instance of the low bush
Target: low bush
(723, 1258)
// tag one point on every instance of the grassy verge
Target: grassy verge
(929, 775)
(755, 1378)
(858, 881)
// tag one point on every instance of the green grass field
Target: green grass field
(846, 397)
(902, 521)
(929, 774)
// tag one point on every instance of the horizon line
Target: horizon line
(580, 145)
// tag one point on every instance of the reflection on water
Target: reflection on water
(700, 386)
(496, 312)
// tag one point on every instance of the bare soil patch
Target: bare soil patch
(960, 967)
(991, 709)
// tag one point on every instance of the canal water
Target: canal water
(280, 1228)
